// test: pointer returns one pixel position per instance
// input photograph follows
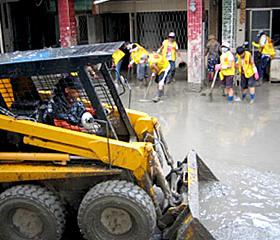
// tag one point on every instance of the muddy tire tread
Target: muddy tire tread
(123, 189)
(42, 195)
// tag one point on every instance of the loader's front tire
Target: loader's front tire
(30, 212)
(117, 210)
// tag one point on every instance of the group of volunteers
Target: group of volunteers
(160, 63)
(241, 62)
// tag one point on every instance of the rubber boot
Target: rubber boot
(158, 96)
(230, 99)
(252, 96)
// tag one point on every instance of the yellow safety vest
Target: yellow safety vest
(173, 49)
(248, 66)
(117, 56)
(267, 49)
(160, 61)
(230, 70)
(136, 55)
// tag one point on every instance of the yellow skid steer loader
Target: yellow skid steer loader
(69, 149)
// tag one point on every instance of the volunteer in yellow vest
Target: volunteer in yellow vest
(136, 51)
(227, 69)
(160, 68)
(248, 71)
(169, 49)
(265, 47)
(117, 57)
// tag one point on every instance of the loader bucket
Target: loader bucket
(192, 228)
(186, 225)
(204, 173)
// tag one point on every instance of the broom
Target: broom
(210, 94)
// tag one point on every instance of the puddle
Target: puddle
(246, 207)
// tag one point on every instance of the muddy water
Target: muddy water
(246, 207)
(240, 144)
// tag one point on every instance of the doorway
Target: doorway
(33, 25)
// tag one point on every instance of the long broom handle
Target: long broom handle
(148, 88)
(214, 80)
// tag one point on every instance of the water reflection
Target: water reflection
(248, 207)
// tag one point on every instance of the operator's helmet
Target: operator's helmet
(171, 35)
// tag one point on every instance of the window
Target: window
(82, 29)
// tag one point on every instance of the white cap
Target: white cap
(129, 46)
(171, 34)
(225, 44)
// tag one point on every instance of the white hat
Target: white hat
(171, 34)
(225, 44)
(129, 46)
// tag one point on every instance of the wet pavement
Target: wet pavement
(239, 142)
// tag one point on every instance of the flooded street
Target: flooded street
(248, 207)
(240, 144)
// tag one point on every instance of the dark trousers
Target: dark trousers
(265, 67)
(172, 69)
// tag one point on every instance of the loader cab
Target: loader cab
(29, 86)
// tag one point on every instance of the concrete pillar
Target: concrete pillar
(241, 23)
(67, 23)
(195, 43)
(229, 17)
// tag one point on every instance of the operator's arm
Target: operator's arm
(74, 115)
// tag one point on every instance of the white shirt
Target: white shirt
(263, 40)
(169, 48)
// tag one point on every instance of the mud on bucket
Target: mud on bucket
(182, 66)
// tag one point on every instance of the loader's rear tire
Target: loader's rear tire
(117, 210)
(30, 212)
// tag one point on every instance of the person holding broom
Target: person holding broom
(248, 71)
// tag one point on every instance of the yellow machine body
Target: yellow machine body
(133, 156)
